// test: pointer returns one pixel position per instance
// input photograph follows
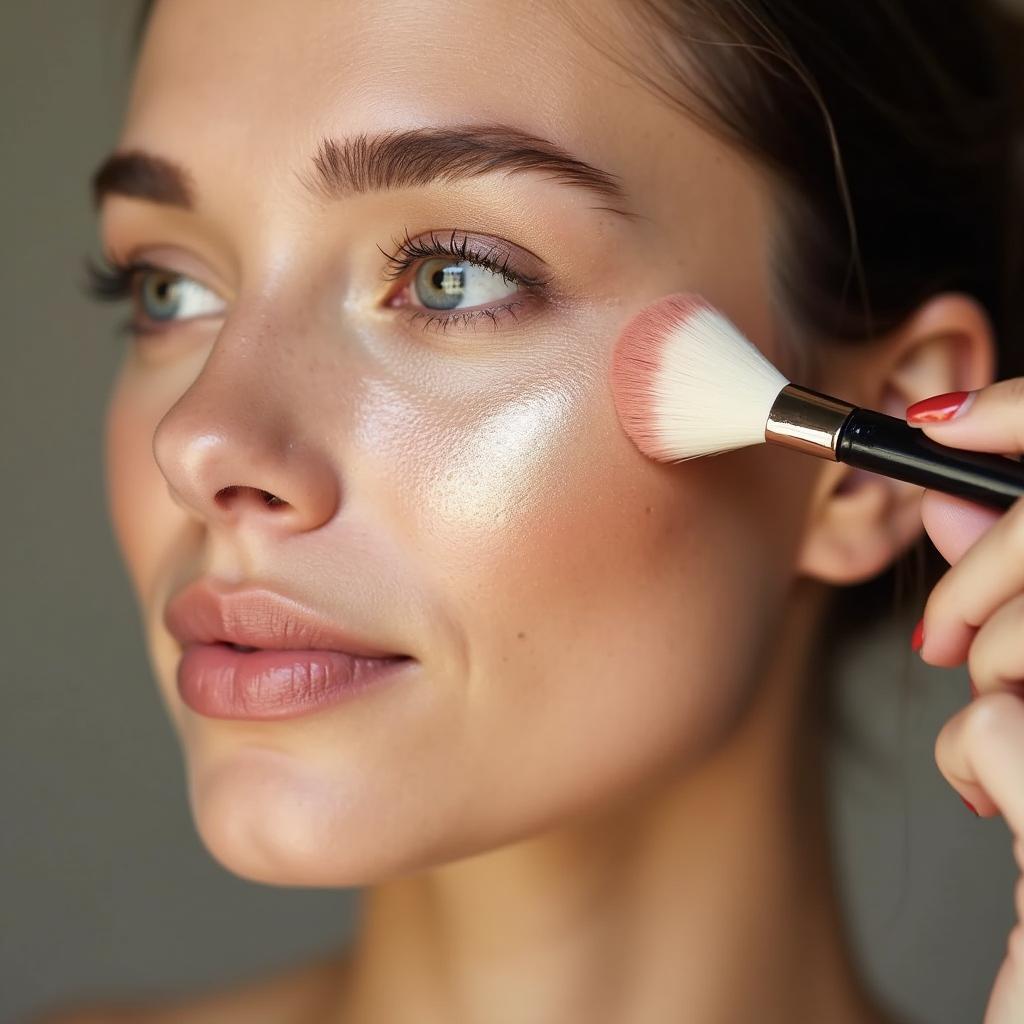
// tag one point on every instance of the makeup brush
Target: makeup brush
(687, 383)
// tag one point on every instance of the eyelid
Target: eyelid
(527, 266)
(170, 259)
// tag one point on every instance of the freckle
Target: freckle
(647, 509)
(521, 636)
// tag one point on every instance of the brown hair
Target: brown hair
(894, 132)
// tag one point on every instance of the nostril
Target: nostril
(226, 494)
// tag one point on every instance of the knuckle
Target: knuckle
(1010, 396)
(990, 718)
(980, 666)
(1011, 391)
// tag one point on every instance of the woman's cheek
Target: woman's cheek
(599, 595)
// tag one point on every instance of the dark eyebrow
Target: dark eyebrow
(144, 176)
(367, 163)
(418, 156)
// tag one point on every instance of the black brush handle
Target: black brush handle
(890, 446)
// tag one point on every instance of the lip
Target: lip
(258, 617)
(305, 662)
(217, 681)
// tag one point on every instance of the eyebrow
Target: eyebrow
(144, 176)
(365, 163)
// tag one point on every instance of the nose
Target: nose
(234, 453)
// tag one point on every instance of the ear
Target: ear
(860, 522)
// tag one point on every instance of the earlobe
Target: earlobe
(861, 522)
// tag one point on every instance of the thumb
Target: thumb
(954, 524)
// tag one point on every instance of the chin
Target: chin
(271, 818)
(264, 819)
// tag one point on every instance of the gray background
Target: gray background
(106, 888)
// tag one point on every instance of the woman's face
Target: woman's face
(584, 622)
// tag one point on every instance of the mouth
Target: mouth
(246, 649)
(303, 661)
(223, 679)
(203, 614)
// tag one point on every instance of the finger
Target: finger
(988, 420)
(988, 575)
(954, 524)
(996, 656)
(980, 752)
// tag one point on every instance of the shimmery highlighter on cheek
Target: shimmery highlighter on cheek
(497, 462)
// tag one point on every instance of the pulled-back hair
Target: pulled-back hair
(892, 131)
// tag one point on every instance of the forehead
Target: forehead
(256, 83)
(241, 92)
(240, 66)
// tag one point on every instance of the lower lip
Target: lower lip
(217, 681)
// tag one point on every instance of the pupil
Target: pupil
(160, 296)
(440, 284)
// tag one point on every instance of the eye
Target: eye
(457, 284)
(453, 279)
(159, 297)
(162, 295)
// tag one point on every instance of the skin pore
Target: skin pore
(596, 797)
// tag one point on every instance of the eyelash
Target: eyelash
(116, 281)
(409, 250)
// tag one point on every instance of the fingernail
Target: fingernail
(939, 408)
(917, 640)
(970, 806)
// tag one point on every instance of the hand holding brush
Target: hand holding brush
(688, 384)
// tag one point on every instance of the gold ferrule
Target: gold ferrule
(807, 421)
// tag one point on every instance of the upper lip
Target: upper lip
(257, 617)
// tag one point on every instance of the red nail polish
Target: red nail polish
(938, 408)
(917, 640)
(970, 807)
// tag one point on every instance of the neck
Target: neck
(709, 898)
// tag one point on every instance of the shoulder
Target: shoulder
(295, 995)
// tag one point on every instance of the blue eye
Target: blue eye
(164, 295)
(445, 283)
(159, 297)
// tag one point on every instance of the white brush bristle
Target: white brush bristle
(687, 382)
